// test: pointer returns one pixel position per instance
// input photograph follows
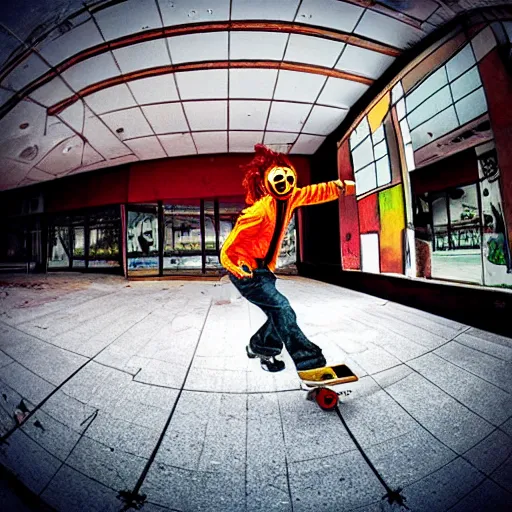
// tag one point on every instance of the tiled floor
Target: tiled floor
(142, 391)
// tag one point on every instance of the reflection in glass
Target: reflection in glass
(142, 238)
(104, 238)
(457, 234)
(182, 236)
(59, 253)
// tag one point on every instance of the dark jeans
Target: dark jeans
(281, 325)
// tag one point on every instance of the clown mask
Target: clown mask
(280, 181)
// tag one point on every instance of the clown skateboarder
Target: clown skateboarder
(250, 254)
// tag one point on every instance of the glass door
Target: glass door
(142, 239)
(77, 233)
(182, 236)
(59, 245)
(104, 238)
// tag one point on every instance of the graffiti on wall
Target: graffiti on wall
(435, 110)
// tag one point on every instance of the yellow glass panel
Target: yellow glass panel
(379, 111)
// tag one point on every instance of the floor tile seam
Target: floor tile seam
(9, 363)
(364, 508)
(499, 359)
(391, 319)
(507, 459)
(451, 461)
(58, 388)
(500, 426)
(418, 422)
(36, 442)
(362, 451)
(409, 313)
(393, 332)
(93, 417)
(133, 375)
(215, 392)
(63, 308)
(432, 350)
(475, 375)
(286, 462)
(323, 457)
(484, 480)
(394, 438)
(32, 372)
(506, 344)
(448, 394)
(42, 340)
(70, 313)
(73, 430)
(82, 324)
(495, 429)
(394, 382)
(113, 449)
(149, 502)
(164, 430)
(88, 477)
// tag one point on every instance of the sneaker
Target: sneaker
(271, 364)
(268, 363)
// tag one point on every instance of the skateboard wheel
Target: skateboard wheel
(326, 399)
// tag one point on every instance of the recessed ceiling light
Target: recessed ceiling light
(120, 130)
(24, 126)
(30, 152)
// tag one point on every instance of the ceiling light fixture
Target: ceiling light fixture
(120, 130)
(30, 152)
(24, 126)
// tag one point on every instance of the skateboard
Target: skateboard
(325, 385)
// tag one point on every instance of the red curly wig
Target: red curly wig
(254, 180)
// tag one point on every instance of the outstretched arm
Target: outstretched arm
(323, 192)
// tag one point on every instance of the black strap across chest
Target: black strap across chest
(281, 207)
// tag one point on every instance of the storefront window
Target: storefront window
(457, 235)
(193, 232)
(104, 238)
(78, 241)
(142, 239)
(87, 240)
(182, 236)
(59, 253)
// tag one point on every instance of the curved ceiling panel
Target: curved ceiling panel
(88, 84)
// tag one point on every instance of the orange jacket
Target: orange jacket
(250, 238)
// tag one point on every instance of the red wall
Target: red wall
(208, 176)
(95, 188)
(349, 224)
(498, 91)
(177, 178)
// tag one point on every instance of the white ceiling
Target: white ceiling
(96, 83)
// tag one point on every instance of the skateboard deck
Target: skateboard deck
(326, 385)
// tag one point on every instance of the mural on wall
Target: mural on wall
(497, 259)
(376, 216)
(456, 229)
(142, 239)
